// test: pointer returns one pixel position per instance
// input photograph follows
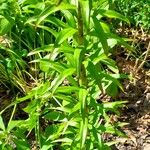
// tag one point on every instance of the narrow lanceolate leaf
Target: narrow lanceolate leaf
(51, 9)
(86, 9)
(5, 24)
(56, 82)
(56, 22)
(84, 124)
(113, 14)
(70, 19)
(99, 58)
(46, 65)
(53, 32)
(94, 73)
(45, 48)
(64, 140)
(82, 98)
(84, 130)
(120, 40)
(13, 124)
(101, 34)
(2, 126)
(67, 89)
(111, 64)
(65, 34)
(97, 138)
(113, 105)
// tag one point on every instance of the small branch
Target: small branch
(145, 58)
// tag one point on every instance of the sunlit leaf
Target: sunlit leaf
(70, 18)
(86, 9)
(45, 48)
(84, 130)
(2, 126)
(67, 89)
(54, 116)
(51, 9)
(57, 81)
(113, 14)
(99, 32)
(12, 124)
(46, 65)
(65, 34)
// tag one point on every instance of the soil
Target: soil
(137, 93)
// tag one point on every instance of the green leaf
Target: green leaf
(82, 98)
(53, 32)
(2, 126)
(5, 24)
(119, 40)
(67, 89)
(97, 138)
(70, 59)
(99, 58)
(84, 124)
(111, 64)
(46, 147)
(57, 81)
(51, 9)
(84, 130)
(113, 14)
(76, 108)
(56, 21)
(63, 140)
(112, 89)
(66, 49)
(99, 32)
(108, 79)
(46, 65)
(65, 34)
(114, 105)
(54, 116)
(12, 124)
(54, 131)
(86, 9)
(21, 144)
(105, 27)
(27, 97)
(94, 73)
(113, 130)
(70, 19)
(64, 97)
(45, 48)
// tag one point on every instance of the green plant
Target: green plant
(136, 11)
(64, 110)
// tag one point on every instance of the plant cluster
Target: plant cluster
(137, 11)
(58, 55)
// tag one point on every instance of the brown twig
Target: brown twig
(145, 58)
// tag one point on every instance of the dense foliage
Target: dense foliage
(58, 55)
(137, 11)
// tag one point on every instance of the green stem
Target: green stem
(37, 133)
(82, 76)
(13, 112)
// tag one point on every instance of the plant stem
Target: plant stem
(82, 76)
(13, 112)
